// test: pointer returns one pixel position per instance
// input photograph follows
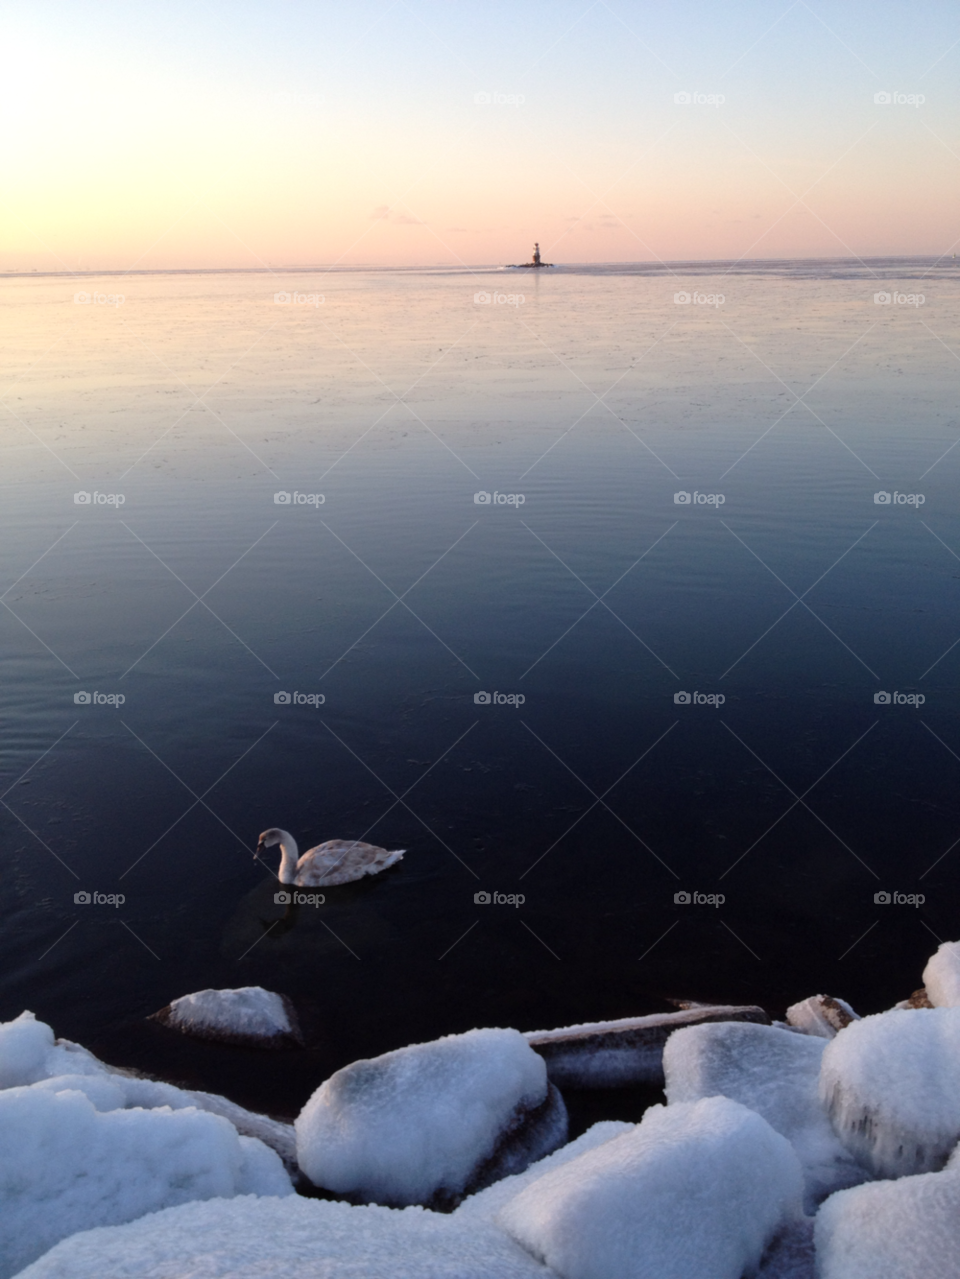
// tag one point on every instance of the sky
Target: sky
(403, 133)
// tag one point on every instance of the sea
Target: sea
(624, 598)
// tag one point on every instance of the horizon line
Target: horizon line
(440, 266)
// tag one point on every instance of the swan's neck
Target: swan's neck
(289, 855)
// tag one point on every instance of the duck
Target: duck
(338, 861)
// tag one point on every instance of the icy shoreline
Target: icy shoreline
(824, 1145)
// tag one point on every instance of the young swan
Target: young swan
(338, 861)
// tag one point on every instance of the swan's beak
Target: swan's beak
(260, 848)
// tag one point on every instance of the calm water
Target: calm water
(598, 599)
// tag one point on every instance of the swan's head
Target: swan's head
(268, 839)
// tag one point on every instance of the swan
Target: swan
(338, 861)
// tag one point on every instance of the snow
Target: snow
(65, 1166)
(485, 1205)
(776, 1073)
(399, 1128)
(248, 1014)
(290, 1239)
(891, 1085)
(29, 1054)
(905, 1229)
(821, 1015)
(694, 1191)
(24, 1046)
(941, 977)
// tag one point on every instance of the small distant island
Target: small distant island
(529, 266)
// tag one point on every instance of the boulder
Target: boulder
(821, 1015)
(941, 977)
(617, 1054)
(891, 1086)
(249, 1017)
(775, 1072)
(906, 1229)
(67, 1166)
(430, 1123)
(693, 1191)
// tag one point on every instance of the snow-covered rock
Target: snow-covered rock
(249, 1017)
(616, 1054)
(290, 1239)
(66, 1166)
(429, 1122)
(29, 1053)
(694, 1191)
(487, 1203)
(776, 1073)
(821, 1015)
(891, 1085)
(941, 977)
(906, 1229)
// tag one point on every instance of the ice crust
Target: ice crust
(776, 1073)
(30, 1054)
(905, 1229)
(249, 1013)
(401, 1127)
(694, 1191)
(291, 1238)
(891, 1085)
(821, 1015)
(66, 1166)
(941, 977)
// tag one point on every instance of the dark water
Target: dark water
(597, 599)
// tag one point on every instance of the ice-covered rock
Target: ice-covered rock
(616, 1054)
(431, 1122)
(821, 1015)
(487, 1203)
(695, 1190)
(66, 1166)
(29, 1053)
(248, 1017)
(905, 1229)
(941, 977)
(891, 1085)
(290, 1239)
(776, 1073)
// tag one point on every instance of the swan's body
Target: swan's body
(338, 861)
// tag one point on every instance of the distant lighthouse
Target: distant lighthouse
(537, 262)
